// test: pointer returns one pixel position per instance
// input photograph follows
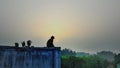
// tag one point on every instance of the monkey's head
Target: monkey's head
(52, 37)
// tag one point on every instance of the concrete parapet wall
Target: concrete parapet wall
(29, 57)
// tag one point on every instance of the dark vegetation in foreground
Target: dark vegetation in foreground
(103, 59)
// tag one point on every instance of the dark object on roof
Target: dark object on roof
(29, 43)
(23, 44)
(50, 42)
(16, 44)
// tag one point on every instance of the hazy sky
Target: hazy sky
(81, 25)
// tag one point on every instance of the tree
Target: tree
(68, 52)
(117, 59)
(107, 55)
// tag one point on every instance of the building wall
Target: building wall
(11, 57)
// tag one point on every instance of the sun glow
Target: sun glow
(57, 23)
(59, 30)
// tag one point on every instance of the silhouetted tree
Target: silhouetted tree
(99, 65)
(72, 62)
(91, 61)
(29, 43)
(50, 42)
(117, 60)
(108, 55)
(23, 44)
(68, 52)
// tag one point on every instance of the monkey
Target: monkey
(50, 42)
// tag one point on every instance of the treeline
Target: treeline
(103, 59)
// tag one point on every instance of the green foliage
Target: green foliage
(103, 59)
(83, 62)
(68, 52)
(108, 55)
(117, 60)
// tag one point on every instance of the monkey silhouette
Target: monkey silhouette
(23, 44)
(29, 43)
(50, 42)
(16, 44)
